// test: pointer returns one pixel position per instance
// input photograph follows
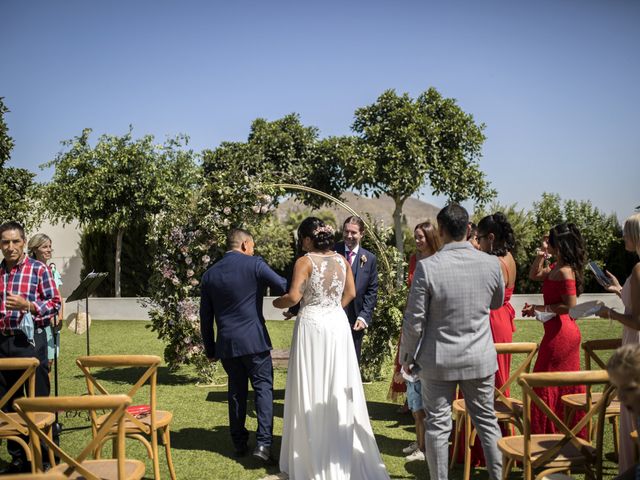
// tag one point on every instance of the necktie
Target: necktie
(350, 256)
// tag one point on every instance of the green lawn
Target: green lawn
(200, 435)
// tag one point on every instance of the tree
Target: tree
(118, 183)
(17, 189)
(404, 143)
(285, 150)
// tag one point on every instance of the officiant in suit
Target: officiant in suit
(365, 273)
(231, 295)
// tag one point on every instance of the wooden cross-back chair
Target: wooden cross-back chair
(577, 402)
(119, 468)
(146, 428)
(559, 452)
(12, 427)
(508, 410)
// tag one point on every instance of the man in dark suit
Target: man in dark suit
(231, 294)
(365, 273)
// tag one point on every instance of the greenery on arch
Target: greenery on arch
(191, 238)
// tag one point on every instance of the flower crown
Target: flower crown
(324, 229)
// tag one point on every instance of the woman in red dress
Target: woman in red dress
(495, 237)
(560, 347)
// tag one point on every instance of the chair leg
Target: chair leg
(456, 440)
(527, 470)
(166, 439)
(155, 459)
(52, 456)
(616, 435)
(467, 446)
(507, 465)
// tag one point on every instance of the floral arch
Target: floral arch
(187, 241)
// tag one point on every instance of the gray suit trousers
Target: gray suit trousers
(438, 395)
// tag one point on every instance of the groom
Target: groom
(231, 294)
(365, 274)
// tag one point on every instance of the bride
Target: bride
(327, 434)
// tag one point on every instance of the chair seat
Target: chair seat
(503, 412)
(568, 455)
(106, 469)
(579, 401)
(163, 418)
(634, 434)
(41, 419)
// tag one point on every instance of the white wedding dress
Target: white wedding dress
(327, 434)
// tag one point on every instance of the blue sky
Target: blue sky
(555, 82)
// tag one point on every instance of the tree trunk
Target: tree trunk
(397, 225)
(119, 236)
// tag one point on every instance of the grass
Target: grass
(201, 446)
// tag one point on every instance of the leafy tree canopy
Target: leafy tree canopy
(17, 189)
(403, 143)
(281, 151)
(119, 183)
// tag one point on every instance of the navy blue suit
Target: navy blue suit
(231, 294)
(365, 275)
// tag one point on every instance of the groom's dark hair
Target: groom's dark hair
(454, 220)
(235, 237)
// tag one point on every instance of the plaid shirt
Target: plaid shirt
(31, 280)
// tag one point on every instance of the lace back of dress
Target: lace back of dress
(326, 283)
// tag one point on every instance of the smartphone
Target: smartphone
(601, 277)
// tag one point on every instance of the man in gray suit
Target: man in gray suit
(446, 333)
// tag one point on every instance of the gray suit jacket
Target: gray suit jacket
(446, 328)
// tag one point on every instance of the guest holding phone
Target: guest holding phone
(563, 282)
(630, 320)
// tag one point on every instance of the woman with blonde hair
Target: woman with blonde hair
(39, 248)
(630, 320)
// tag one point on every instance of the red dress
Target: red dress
(559, 352)
(502, 328)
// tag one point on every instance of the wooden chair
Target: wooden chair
(636, 445)
(560, 452)
(79, 467)
(508, 410)
(12, 427)
(577, 402)
(143, 429)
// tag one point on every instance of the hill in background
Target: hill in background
(379, 209)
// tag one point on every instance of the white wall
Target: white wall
(133, 309)
(66, 252)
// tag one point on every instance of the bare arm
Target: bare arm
(349, 292)
(568, 301)
(631, 320)
(301, 273)
(539, 270)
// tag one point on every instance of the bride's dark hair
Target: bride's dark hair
(315, 229)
